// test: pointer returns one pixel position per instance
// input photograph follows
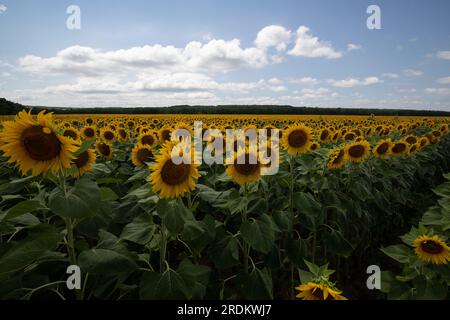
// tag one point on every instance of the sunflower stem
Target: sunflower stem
(291, 225)
(163, 249)
(245, 248)
(69, 230)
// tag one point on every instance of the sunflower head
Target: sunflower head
(84, 162)
(172, 180)
(432, 249)
(148, 138)
(34, 144)
(297, 139)
(382, 149)
(141, 154)
(318, 291)
(88, 132)
(245, 168)
(104, 149)
(107, 134)
(399, 148)
(358, 151)
(337, 158)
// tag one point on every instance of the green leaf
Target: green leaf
(337, 244)
(140, 230)
(81, 201)
(196, 278)
(84, 146)
(429, 289)
(105, 262)
(314, 269)
(399, 252)
(174, 215)
(310, 210)
(28, 251)
(166, 286)
(23, 207)
(108, 194)
(259, 233)
(225, 252)
(257, 285)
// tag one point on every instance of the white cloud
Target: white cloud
(5, 74)
(273, 36)
(308, 81)
(438, 90)
(353, 82)
(413, 39)
(274, 81)
(445, 80)
(309, 46)
(412, 90)
(444, 55)
(277, 88)
(352, 46)
(3, 8)
(214, 56)
(412, 73)
(391, 75)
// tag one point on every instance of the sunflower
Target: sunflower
(164, 134)
(337, 158)
(314, 146)
(104, 149)
(123, 135)
(71, 132)
(414, 148)
(242, 170)
(318, 291)
(88, 132)
(297, 139)
(107, 134)
(432, 249)
(382, 149)
(358, 151)
(84, 162)
(148, 139)
(411, 139)
(399, 148)
(172, 180)
(34, 144)
(141, 154)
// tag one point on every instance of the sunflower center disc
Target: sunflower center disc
(246, 168)
(399, 148)
(147, 139)
(89, 132)
(81, 160)
(356, 151)
(39, 145)
(70, 133)
(383, 148)
(104, 149)
(431, 247)
(297, 138)
(145, 155)
(166, 135)
(109, 135)
(174, 174)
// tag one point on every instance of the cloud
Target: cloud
(413, 39)
(353, 82)
(308, 81)
(274, 81)
(444, 55)
(309, 46)
(390, 75)
(445, 80)
(215, 56)
(3, 8)
(273, 36)
(352, 46)
(412, 90)
(438, 90)
(412, 73)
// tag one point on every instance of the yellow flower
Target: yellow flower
(245, 168)
(297, 139)
(84, 162)
(104, 149)
(432, 249)
(318, 291)
(141, 154)
(357, 151)
(34, 144)
(337, 158)
(173, 180)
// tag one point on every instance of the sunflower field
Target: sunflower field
(103, 193)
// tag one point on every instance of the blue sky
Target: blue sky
(149, 53)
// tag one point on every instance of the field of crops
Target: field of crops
(103, 193)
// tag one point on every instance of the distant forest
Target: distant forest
(11, 108)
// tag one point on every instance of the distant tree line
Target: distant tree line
(10, 108)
